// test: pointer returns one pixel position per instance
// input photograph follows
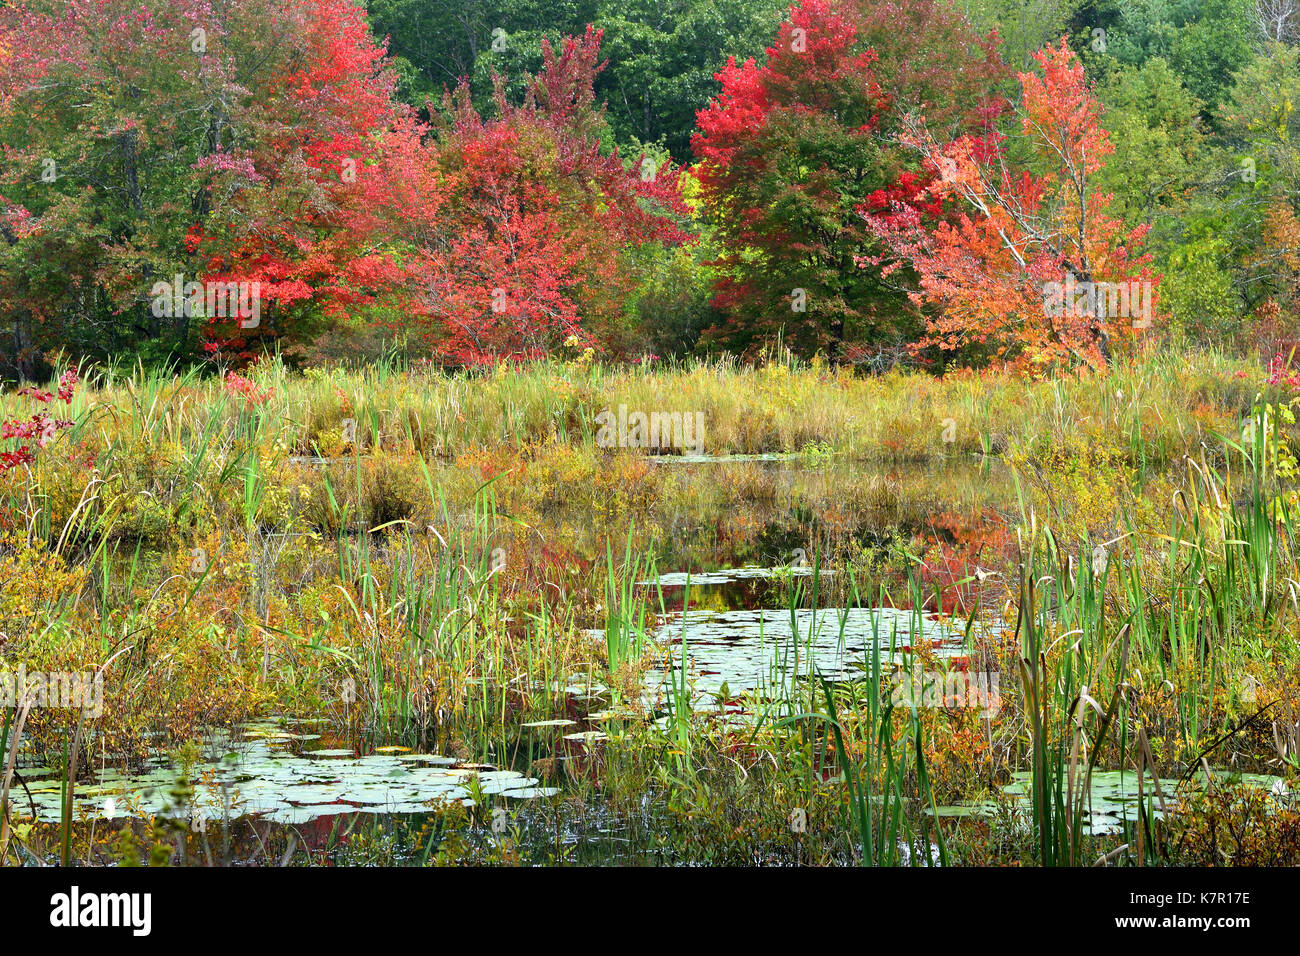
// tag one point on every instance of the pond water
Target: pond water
(1112, 800)
(766, 650)
(749, 627)
(283, 773)
(272, 778)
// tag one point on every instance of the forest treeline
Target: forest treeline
(1029, 183)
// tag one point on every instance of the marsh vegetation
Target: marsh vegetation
(403, 615)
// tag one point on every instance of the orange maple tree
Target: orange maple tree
(1031, 270)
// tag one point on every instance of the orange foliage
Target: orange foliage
(988, 276)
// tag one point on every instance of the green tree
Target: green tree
(1204, 41)
(1023, 26)
(1160, 143)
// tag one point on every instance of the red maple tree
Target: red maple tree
(524, 223)
(791, 147)
(310, 208)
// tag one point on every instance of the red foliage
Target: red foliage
(309, 207)
(42, 428)
(789, 149)
(243, 388)
(1280, 373)
(523, 223)
(772, 146)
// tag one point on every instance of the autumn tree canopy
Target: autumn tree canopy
(875, 186)
(146, 140)
(1034, 271)
(790, 149)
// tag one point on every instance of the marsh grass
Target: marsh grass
(424, 584)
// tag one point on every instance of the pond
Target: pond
(747, 618)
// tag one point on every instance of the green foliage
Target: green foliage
(662, 53)
(1155, 126)
(1023, 26)
(1199, 295)
(672, 305)
(1204, 41)
(1260, 121)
